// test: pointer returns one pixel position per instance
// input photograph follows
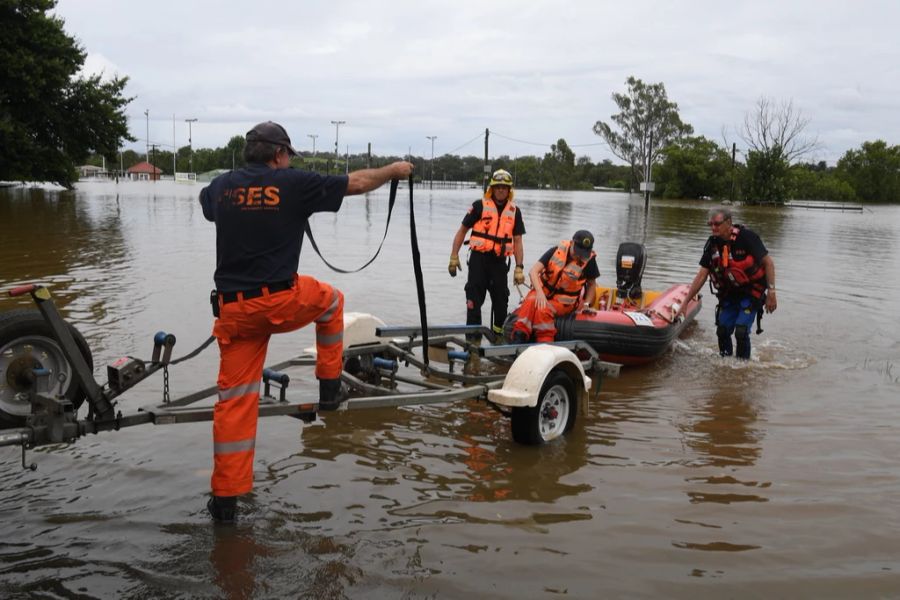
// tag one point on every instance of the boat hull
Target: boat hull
(629, 335)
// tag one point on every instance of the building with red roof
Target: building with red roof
(143, 171)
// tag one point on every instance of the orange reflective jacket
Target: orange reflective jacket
(564, 279)
(494, 231)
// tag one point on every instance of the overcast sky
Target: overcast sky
(531, 71)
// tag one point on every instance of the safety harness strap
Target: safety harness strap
(391, 201)
(417, 267)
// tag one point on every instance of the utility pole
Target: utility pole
(313, 137)
(432, 138)
(733, 152)
(190, 145)
(337, 153)
(487, 167)
(174, 150)
(648, 173)
(152, 166)
(147, 114)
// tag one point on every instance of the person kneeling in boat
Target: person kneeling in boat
(743, 278)
(558, 280)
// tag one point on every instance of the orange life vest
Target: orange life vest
(728, 273)
(494, 231)
(563, 279)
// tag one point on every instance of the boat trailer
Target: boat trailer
(46, 374)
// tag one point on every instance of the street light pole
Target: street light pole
(313, 136)
(147, 114)
(432, 138)
(337, 128)
(190, 145)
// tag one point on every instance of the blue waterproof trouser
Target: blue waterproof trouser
(734, 316)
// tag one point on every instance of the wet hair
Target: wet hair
(719, 210)
(260, 152)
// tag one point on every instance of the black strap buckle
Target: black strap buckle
(214, 302)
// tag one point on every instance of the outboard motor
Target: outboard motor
(630, 261)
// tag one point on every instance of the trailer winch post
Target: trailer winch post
(82, 372)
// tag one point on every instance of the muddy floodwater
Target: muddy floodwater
(695, 476)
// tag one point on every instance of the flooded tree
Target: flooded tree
(559, 165)
(647, 122)
(775, 134)
(694, 167)
(51, 118)
(873, 171)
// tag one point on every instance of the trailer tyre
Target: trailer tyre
(553, 415)
(26, 343)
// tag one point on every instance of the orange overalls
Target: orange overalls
(243, 330)
(562, 281)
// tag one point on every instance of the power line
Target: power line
(545, 145)
(477, 137)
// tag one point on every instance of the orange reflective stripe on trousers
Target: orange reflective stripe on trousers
(243, 332)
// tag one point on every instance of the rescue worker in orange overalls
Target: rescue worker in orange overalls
(260, 212)
(563, 281)
(743, 275)
(497, 229)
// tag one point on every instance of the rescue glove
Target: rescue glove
(519, 275)
(454, 265)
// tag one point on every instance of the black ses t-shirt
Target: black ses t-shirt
(260, 214)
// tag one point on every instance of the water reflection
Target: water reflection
(453, 452)
(234, 557)
(723, 429)
(725, 435)
(53, 238)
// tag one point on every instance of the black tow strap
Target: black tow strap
(391, 201)
(416, 256)
(417, 267)
(195, 352)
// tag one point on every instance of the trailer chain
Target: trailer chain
(166, 384)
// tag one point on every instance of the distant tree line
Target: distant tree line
(557, 169)
(691, 167)
(52, 119)
(771, 168)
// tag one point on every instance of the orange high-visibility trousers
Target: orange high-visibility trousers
(541, 322)
(243, 330)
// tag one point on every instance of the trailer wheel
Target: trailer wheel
(553, 415)
(26, 343)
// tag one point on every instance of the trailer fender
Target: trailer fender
(529, 371)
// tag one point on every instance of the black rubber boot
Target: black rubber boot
(223, 509)
(725, 346)
(331, 394)
(519, 337)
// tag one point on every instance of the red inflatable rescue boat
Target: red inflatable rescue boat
(628, 325)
